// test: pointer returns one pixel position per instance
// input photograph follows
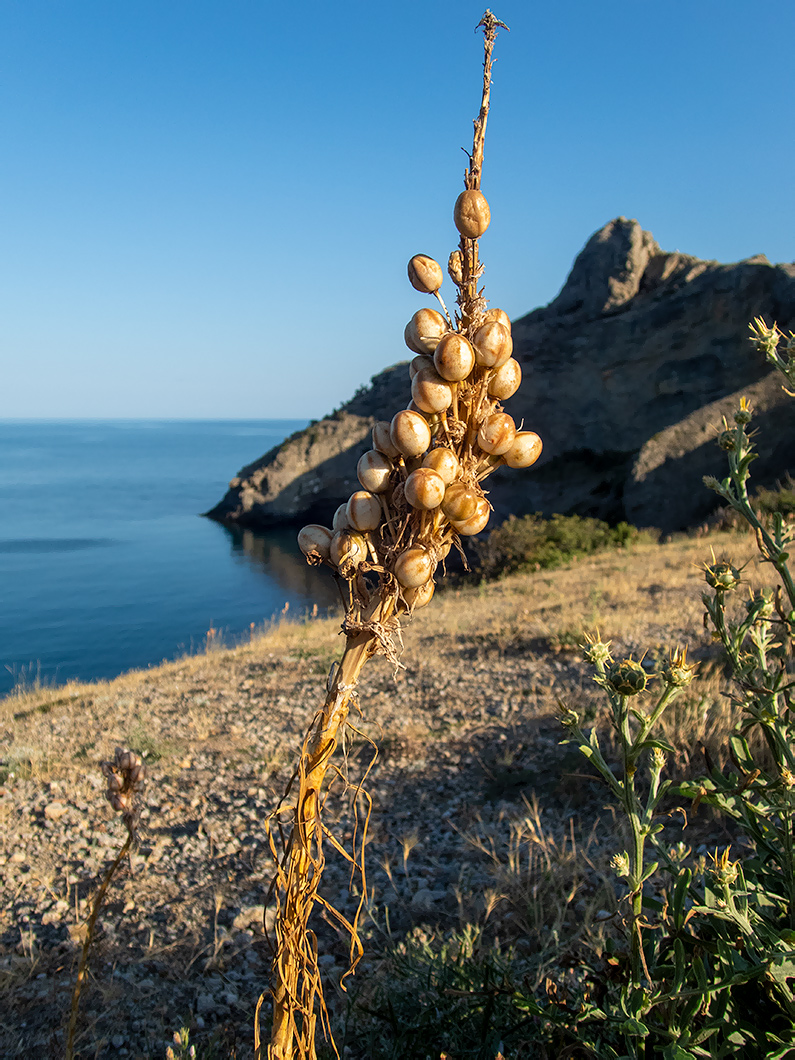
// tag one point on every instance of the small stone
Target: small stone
(205, 1003)
(422, 900)
(117, 1041)
(54, 810)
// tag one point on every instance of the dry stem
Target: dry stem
(92, 923)
(297, 992)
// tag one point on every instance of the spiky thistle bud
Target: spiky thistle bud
(596, 651)
(743, 415)
(678, 673)
(568, 717)
(722, 576)
(761, 604)
(627, 677)
(722, 869)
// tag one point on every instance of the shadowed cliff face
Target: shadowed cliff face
(626, 375)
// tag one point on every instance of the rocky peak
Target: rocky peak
(624, 372)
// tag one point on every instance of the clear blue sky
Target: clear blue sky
(207, 207)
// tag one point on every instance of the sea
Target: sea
(106, 563)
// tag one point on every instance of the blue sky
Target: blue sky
(208, 206)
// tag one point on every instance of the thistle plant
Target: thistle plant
(126, 779)
(711, 942)
(422, 491)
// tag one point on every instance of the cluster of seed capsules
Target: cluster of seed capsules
(422, 480)
(126, 777)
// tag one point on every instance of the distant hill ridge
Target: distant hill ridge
(626, 373)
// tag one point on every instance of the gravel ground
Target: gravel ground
(467, 736)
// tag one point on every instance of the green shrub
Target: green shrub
(536, 543)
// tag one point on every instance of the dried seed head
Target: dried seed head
(410, 433)
(425, 274)
(455, 267)
(525, 450)
(418, 596)
(424, 489)
(364, 511)
(126, 779)
(341, 520)
(493, 344)
(460, 502)
(314, 541)
(454, 357)
(444, 462)
(382, 440)
(476, 522)
(500, 316)
(414, 567)
(348, 549)
(505, 380)
(627, 677)
(430, 392)
(497, 434)
(374, 470)
(424, 330)
(422, 360)
(471, 213)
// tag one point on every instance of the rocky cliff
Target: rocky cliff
(626, 375)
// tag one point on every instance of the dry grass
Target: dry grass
(472, 716)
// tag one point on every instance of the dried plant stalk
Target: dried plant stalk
(126, 777)
(422, 493)
(298, 990)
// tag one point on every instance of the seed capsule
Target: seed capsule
(410, 433)
(348, 549)
(476, 522)
(493, 344)
(505, 380)
(471, 213)
(382, 440)
(500, 316)
(314, 541)
(455, 267)
(430, 392)
(425, 274)
(422, 360)
(341, 520)
(413, 567)
(138, 775)
(525, 450)
(444, 462)
(424, 489)
(454, 357)
(460, 502)
(497, 434)
(424, 330)
(418, 597)
(364, 511)
(374, 470)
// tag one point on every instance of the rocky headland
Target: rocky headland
(626, 375)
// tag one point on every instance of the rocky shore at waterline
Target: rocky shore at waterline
(467, 737)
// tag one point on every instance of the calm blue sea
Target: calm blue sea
(105, 562)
